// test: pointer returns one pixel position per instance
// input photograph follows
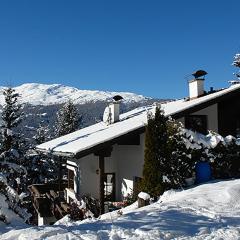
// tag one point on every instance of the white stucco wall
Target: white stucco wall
(129, 159)
(89, 179)
(126, 162)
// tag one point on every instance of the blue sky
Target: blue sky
(147, 47)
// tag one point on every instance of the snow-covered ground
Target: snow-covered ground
(13, 220)
(208, 211)
(47, 94)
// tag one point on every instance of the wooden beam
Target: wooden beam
(105, 152)
(107, 144)
(101, 183)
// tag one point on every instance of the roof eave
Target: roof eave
(205, 104)
(55, 153)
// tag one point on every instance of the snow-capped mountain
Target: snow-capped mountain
(49, 94)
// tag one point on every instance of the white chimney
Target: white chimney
(114, 111)
(111, 112)
(196, 88)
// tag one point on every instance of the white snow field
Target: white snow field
(13, 220)
(47, 94)
(208, 211)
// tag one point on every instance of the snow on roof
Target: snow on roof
(93, 135)
(178, 106)
(96, 134)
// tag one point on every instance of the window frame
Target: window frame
(191, 120)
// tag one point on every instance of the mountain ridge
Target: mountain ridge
(51, 94)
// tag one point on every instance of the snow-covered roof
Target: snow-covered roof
(96, 134)
(178, 106)
(99, 133)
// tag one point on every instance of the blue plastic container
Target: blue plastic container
(203, 172)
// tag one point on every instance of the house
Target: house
(105, 160)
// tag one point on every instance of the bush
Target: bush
(226, 160)
(75, 212)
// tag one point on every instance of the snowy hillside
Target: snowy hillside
(13, 220)
(44, 94)
(208, 211)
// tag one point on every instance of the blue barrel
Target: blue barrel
(203, 172)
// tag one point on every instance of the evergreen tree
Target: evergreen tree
(67, 120)
(155, 153)
(42, 133)
(178, 165)
(43, 168)
(11, 117)
(236, 63)
(167, 161)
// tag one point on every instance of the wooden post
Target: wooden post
(101, 183)
(60, 173)
(105, 152)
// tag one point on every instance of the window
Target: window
(109, 187)
(70, 179)
(196, 123)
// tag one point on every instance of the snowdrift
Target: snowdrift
(208, 211)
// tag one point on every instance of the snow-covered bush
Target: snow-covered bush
(226, 160)
(172, 152)
(75, 212)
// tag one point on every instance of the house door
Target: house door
(109, 187)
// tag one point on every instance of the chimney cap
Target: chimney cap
(117, 98)
(199, 73)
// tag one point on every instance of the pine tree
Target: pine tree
(178, 165)
(11, 117)
(67, 120)
(155, 153)
(167, 161)
(236, 63)
(42, 166)
(12, 150)
(42, 133)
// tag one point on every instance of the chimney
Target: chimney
(196, 85)
(112, 111)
